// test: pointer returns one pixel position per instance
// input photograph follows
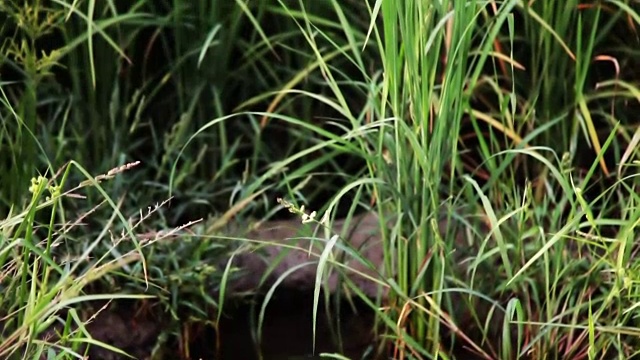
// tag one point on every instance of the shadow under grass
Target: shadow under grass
(344, 330)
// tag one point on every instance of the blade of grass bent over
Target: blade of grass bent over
(316, 291)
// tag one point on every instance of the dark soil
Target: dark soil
(287, 332)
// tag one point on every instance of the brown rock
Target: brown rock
(289, 243)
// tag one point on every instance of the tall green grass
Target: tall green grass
(513, 120)
(515, 75)
(82, 81)
(41, 284)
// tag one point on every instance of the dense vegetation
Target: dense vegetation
(520, 117)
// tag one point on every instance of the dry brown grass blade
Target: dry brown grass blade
(633, 147)
(498, 125)
(233, 211)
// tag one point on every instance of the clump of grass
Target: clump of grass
(510, 118)
(48, 277)
(534, 262)
(43, 286)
